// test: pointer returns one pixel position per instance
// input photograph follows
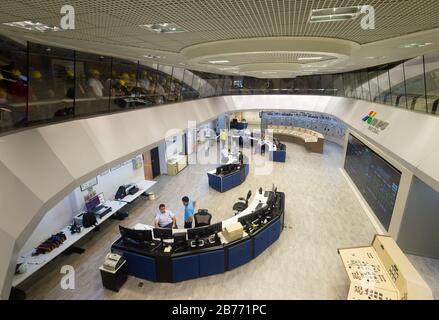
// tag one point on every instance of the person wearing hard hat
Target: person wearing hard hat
(95, 84)
(41, 89)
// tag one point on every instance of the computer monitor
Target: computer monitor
(162, 233)
(92, 203)
(196, 232)
(213, 228)
(218, 170)
(135, 237)
(180, 238)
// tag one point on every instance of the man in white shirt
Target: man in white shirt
(96, 86)
(165, 218)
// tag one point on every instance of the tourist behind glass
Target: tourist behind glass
(165, 218)
(95, 85)
(189, 209)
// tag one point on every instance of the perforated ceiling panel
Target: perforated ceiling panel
(210, 20)
(268, 57)
(116, 22)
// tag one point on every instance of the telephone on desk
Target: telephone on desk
(113, 261)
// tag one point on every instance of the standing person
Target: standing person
(165, 218)
(189, 209)
(95, 85)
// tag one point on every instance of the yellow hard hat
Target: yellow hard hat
(16, 73)
(125, 76)
(95, 72)
(121, 82)
(70, 73)
(113, 74)
(36, 74)
(1, 76)
(133, 75)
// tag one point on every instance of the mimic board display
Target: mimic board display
(376, 179)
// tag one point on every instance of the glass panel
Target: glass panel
(415, 84)
(398, 86)
(52, 83)
(365, 86)
(228, 81)
(347, 85)
(13, 84)
(338, 85)
(163, 84)
(147, 78)
(124, 90)
(175, 86)
(187, 92)
(358, 85)
(327, 84)
(93, 83)
(432, 82)
(384, 87)
(373, 84)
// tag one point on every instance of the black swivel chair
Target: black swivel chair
(202, 218)
(243, 204)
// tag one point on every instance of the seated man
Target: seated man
(165, 218)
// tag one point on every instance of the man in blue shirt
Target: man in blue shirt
(189, 209)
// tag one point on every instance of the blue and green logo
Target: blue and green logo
(375, 125)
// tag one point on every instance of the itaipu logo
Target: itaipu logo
(375, 125)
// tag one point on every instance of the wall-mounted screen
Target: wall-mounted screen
(376, 179)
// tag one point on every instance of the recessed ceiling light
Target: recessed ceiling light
(219, 61)
(334, 14)
(150, 56)
(32, 26)
(269, 72)
(162, 27)
(227, 68)
(372, 58)
(415, 45)
(310, 58)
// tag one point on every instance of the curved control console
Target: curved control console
(198, 252)
(228, 176)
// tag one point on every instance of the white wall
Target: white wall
(62, 214)
(252, 117)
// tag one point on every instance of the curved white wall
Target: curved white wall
(39, 167)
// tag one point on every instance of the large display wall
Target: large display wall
(333, 129)
(376, 179)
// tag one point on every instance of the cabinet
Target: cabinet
(176, 164)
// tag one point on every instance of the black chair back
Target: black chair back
(202, 218)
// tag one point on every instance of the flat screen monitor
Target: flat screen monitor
(213, 228)
(179, 238)
(92, 203)
(376, 179)
(196, 232)
(135, 237)
(162, 233)
(218, 170)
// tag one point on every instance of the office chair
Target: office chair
(243, 204)
(202, 218)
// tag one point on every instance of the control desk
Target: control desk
(173, 255)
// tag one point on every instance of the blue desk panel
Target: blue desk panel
(185, 268)
(260, 242)
(215, 182)
(278, 156)
(230, 181)
(240, 254)
(140, 266)
(212, 263)
(274, 231)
